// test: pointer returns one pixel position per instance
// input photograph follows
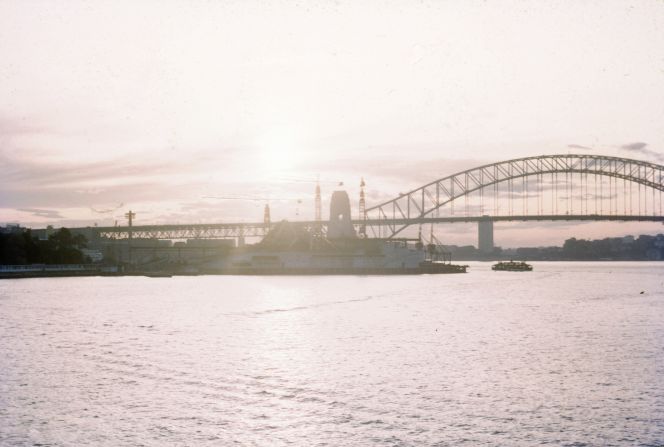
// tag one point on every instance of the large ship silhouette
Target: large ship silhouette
(291, 249)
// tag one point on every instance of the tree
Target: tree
(22, 247)
(65, 248)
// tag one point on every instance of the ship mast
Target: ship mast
(363, 212)
(317, 211)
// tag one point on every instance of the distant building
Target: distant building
(210, 243)
(627, 240)
(11, 229)
(659, 241)
(94, 254)
(485, 236)
(654, 254)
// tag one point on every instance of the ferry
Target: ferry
(512, 266)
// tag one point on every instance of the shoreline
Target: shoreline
(118, 271)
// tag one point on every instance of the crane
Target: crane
(266, 211)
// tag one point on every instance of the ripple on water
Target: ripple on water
(568, 355)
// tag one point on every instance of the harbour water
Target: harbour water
(569, 354)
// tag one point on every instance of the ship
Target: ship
(512, 266)
(292, 249)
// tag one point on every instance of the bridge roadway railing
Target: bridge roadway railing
(256, 230)
(185, 231)
(195, 231)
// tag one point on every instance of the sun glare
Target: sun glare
(280, 149)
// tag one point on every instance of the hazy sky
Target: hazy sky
(159, 105)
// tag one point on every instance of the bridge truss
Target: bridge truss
(569, 187)
(543, 188)
(185, 231)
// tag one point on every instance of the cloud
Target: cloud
(37, 212)
(17, 126)
(63, 197)
(30, 182)
(58, 174)
(640, 147)
(578, 146)
(395, 171)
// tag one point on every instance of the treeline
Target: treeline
(22, 247)
(626, 248)
(642, 248)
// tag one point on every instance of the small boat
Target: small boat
(512, 266)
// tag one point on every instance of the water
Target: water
(570, 354)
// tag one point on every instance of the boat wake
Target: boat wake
(312, 306)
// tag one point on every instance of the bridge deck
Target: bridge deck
(258, 229)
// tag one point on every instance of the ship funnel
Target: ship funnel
(340, 225)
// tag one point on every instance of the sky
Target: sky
(198, 111)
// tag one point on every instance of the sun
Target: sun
(280, 149)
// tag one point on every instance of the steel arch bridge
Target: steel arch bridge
(542, 188)
(590, 187)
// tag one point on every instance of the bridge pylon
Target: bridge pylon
(485, 235)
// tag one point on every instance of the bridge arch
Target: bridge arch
(422, 202)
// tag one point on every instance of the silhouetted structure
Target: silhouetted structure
(485, 235)
(21, 246)
(340, 225)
